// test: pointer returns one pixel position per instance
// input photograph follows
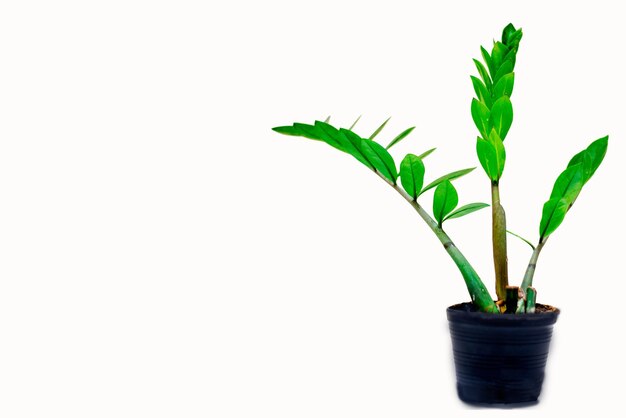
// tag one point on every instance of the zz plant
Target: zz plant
(492, 112)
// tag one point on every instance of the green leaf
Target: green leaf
(480, 115)
(445, 200)
(502, 116)
(487, 158)
(508, 31)
(522, 238)
(412, 175)
(511, 56)
(505, 68)
(504, 87)
(483, 74)
(553, 213)
(380, 159)
(514, 39)
(492, 155)
(466, 210)
(427, 153)
(354, 124)
(353, 145)
(487, 59)
(380, 128)
(481, 91)
(497, 57)
(333, 137)
(400, 137)
(450, 176)
(569, 183)
(592, 157)
(566, 188)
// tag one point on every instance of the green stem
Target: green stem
(532, 265)
(479, 293)
(499, 242)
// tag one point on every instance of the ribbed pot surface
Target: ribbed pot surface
(500, 359)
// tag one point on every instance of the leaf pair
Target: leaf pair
(446, 199)
(368, 152)
(412, 175)
(492, 155)
(500, 117)
(569, 184)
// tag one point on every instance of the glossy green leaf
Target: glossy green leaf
(505, 68)
(594, 154)
(332, 136)
(487, 59)
(504, 87)
(354, 145)
(513, 40)
(400, 137)
(380, 128)
(511, 56)
(481, 91)
(507, 33)
(380, 159)
(466, 210)
(569, 183)
(553, 213)
(450, 176)
(498, 145)
(427, 153)
(497, 57)
(445, 200)
(487, 157)
(483, 74)
(502, 116)
(412, 175)
(480, 115)
(566, 188)
(492, 155)
(355, 122)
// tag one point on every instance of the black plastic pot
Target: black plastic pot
(500, 359)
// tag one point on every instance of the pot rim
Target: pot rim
(461, 312)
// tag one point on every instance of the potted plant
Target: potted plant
(500, 345)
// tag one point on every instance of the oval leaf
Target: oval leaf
(481, 91)
(502, 116)
(553, 213)
(569, 183)
(498, 53)
(594, 153)
(445, 200)
(483, 74)
(487, 157)
(449, 176)
(504, 87)
(380, 159)
(466, 210)
(412, 175)
(487, 59)
(480, 115)
(505, 68)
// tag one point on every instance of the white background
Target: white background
(164, 253)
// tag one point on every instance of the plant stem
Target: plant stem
(532, 265)
(499, 242)
(479, 293)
